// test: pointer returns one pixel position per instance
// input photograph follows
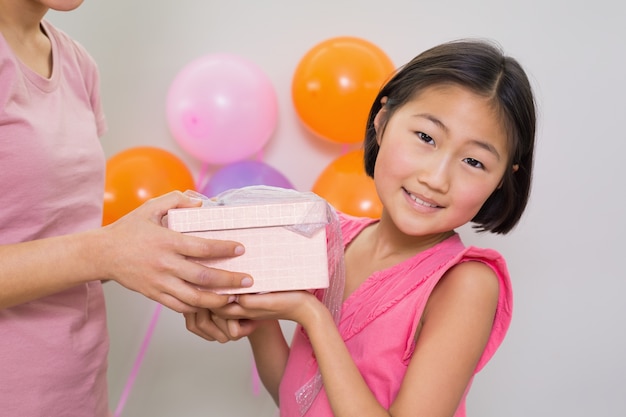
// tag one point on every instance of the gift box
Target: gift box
(285, 239)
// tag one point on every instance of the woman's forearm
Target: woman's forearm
(31, 270)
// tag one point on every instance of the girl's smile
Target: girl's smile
(421, 200)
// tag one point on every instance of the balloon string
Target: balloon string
(256, 380)
(202, 176)
(140, 356)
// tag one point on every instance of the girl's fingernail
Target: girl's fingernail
(246, 282)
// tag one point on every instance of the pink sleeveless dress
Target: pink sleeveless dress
(379, 320)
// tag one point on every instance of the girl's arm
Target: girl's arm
(270, 351)
(455, 328)
(347, 392)
(341, 377)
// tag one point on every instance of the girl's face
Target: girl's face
(441, 156)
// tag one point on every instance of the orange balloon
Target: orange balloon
(334, 85)
(138, 174)
(346, 186)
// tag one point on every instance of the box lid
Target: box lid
(217, 217)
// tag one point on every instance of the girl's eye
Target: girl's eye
(474, 162)
(424, 137)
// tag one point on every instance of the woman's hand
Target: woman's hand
(212, 327)
(144, 256)
(137, 251)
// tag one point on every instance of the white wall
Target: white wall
(564, 354)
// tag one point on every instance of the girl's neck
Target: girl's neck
(381, 246)
(389, 241)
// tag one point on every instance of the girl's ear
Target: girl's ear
(515, 167)
(378, 119)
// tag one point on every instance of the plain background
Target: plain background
(564, 354)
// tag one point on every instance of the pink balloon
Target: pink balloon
(221, 108)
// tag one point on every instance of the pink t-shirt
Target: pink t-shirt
(379, 320)
(53, 351)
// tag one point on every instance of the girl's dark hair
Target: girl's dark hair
(482, 67)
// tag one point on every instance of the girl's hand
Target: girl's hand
(282, 305)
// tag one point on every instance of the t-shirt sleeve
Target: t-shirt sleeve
(92, 84)
(91, 77)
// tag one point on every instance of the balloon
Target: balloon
(138, 174)
(221, 108)
(334, 85)
(242, 174)
(346, 186)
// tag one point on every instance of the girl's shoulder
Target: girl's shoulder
(484, 271)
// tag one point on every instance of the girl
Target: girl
(449, 141)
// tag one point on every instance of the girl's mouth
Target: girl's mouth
(420, 201)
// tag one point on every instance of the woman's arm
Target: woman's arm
(136, 251)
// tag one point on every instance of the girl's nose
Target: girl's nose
(434, 172)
